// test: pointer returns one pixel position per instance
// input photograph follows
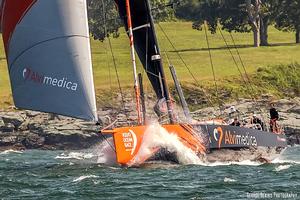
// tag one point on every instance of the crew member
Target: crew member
(257, 120)
(274, 116)
(235, 122)
(233, 112)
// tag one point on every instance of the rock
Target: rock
(13, 118)
(68, 127)
(24, 126)
(295, 109)
(284, 104)
(9, 127)
(34, 127)
(8, 140)
(105, 120)
(30, 129)
(33, 141)
(70, 139)
(32, 113)
(1, 122)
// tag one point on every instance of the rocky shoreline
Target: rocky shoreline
(20, 129)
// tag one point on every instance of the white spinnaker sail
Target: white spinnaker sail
(49, 59)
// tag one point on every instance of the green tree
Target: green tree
(233, 15)
(104, 19)
(288, 18)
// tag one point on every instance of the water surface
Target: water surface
(39, 174)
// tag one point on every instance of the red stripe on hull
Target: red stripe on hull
(13, 12)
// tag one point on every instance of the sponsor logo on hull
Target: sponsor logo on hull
(130, 141)
(35, 77)
(229, 137)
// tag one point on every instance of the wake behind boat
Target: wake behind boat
(50, 68)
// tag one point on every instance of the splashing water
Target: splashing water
(75, 155)
(282, 167)
(229, 180)
(156, 136)
(10, 151)
(105, 152)
(102, 153)
(81, 178)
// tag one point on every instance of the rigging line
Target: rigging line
(104, 138)
(247, 76)
(105, 34)
(244, 69)
(146, 53)
(240, 58)
(114, 60)
(242, 63)
(248, 86)
(146, 60)
(233, 58)
(168, 59)
(212, 66)
(186, 66)
(117, 73)
(113, 57)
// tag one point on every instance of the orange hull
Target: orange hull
(128, 142)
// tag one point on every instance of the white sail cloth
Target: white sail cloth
(49, 58)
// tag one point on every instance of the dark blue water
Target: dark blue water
(77, 175)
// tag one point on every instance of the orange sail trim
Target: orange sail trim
(128, 141)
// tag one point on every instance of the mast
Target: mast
(161, 69)
(132, 50)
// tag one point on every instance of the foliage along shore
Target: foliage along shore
(280, 81)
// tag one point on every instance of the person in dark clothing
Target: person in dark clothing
(274, 116)
(256, 120)
(235, 122)
(273, 112)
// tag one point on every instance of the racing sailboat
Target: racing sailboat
(138, 21)
(49, 61)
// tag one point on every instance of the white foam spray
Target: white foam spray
(105, 152)
(102, 153)
(10, 151)
(282, 167)
(229, 180)
(156, 136)
(75, 155)
(81, 178)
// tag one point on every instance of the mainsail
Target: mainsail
(48, 53)
(147, 48)
(144, 40)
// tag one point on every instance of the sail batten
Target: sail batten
(39, 43)
(49, 57)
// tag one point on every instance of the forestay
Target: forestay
(48, 54)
